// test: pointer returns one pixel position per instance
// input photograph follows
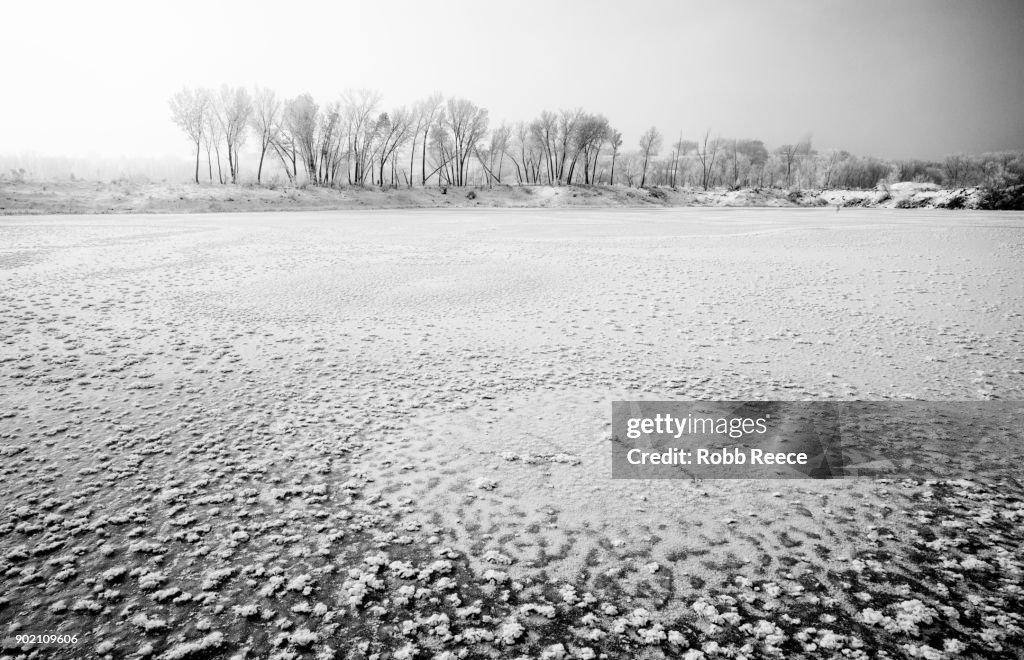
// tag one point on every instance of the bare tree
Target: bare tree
(328, 144)
(493, 156)
(441, 142)
(415, 124)
(735, 163)
(557, 134)
(568, 147)
(466, 124)
(301, 121)
(673, 160)
(592, 133)
(955, 169)
(787, 154)
(831, 159)
(208, 141)
(530, 154)
(266, 119)
(189, 110)
(650, 145)
(284, 146)
(545, 132)
(313, 135)
(233, 110)
(616, 143)
(706, 154)
(214, 137)
(676, 163)
(630, 162)
(755, 155)
(392, 132)
(520, 134)
(790, 154)
(360, 126)
(423, 116)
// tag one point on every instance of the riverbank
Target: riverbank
(126, 196)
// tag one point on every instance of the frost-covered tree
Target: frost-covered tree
(189, 110)
(464, 125)
(301, 121)
(426, 115)
(707, 152)
(615, 141)
(393, 131)
(233, 108)
(360, 121)
(266, 120)
(650, 145)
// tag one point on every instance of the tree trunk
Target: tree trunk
(412, 159)
(423, 162)
(220, 173)
(197, 161)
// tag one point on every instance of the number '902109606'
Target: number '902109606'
(41, 640)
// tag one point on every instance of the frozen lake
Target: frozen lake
(196, 405)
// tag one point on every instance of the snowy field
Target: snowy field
(386, 433)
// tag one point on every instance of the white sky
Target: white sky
(905, 78)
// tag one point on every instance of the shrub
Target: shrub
(471, 194)
(1010, 198)
(954, 202)
(910, 203)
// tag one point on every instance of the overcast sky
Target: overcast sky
(900, 78)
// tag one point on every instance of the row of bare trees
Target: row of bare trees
(350, 140)
(734, 163)
(354, 141)
(215, 120)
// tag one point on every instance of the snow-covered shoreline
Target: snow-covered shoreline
(80, 197)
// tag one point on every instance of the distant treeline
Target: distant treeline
(35, 167)
(451, 142)
(354, 141)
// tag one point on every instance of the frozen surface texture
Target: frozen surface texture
(347, 434)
